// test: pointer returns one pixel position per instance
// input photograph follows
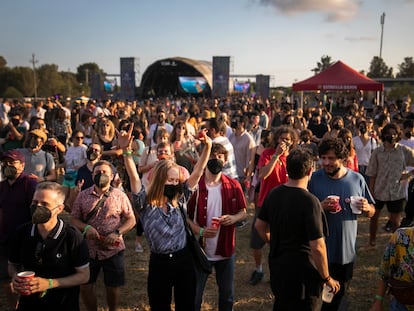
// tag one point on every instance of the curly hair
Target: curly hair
(336, 145)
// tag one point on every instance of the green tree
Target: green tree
(326, 62)
(406, 69)
(3, 63)
(50, 80)
(399, 91)
(378, 69)
(12, 92)
(86, 71)
(21, 78)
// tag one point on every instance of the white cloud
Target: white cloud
(334, 10)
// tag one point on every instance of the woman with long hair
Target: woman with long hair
(185, 152)
(105, 136)
(171, 267)
(346, 136)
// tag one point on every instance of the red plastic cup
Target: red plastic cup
(102, 239)
(247, 184)
(25, 276)
(215, 222)
(336, 206)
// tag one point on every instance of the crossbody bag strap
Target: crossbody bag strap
(187, 226)
(98, 205)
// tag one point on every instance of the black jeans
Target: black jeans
(295, 287)
(343, 274)
(168, 271)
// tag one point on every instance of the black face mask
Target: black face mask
(40, 214)
(101, 180)
(362, 129)
(10, 172)
(215, 166)
(336, 126)
(389, 138)
(92, 155)
(171, 191)
(408, 135)
(33, 143)
(15, 122)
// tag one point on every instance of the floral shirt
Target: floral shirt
(398, 259)
(107, 219)
(387, 166)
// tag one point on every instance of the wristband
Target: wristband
(379, 297)
(85, 229)
(201, 231)
(50, 287)
(127, 153)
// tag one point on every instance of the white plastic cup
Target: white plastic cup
(215, 222)
(354, 200)
(337, 207)
(25, 276)
(327, 294)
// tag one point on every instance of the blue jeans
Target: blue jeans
(396, 306)
(225, 282)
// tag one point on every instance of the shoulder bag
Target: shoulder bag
(98, 205)
(200, 259)
(402, 291)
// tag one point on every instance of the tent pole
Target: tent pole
(301, 100)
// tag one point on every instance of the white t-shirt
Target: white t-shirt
(364, 152)
(214, 209)
(75, 157)
(152, 128)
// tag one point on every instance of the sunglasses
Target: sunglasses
(79, 137)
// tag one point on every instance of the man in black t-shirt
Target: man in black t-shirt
(293, 221)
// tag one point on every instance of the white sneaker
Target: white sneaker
(138, 248)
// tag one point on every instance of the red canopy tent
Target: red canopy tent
(338, 77)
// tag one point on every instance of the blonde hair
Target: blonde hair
(101, 127)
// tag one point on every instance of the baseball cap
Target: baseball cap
(14, 154)
(39, 133)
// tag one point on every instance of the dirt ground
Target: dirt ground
(247, 297)
(259, 297)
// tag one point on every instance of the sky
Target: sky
(281, 38)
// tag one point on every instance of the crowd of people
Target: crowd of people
(157, 164)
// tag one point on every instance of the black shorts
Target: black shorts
(113, 269)
(256, 242)
(392, 206)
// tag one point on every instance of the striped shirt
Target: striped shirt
(165, 231)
